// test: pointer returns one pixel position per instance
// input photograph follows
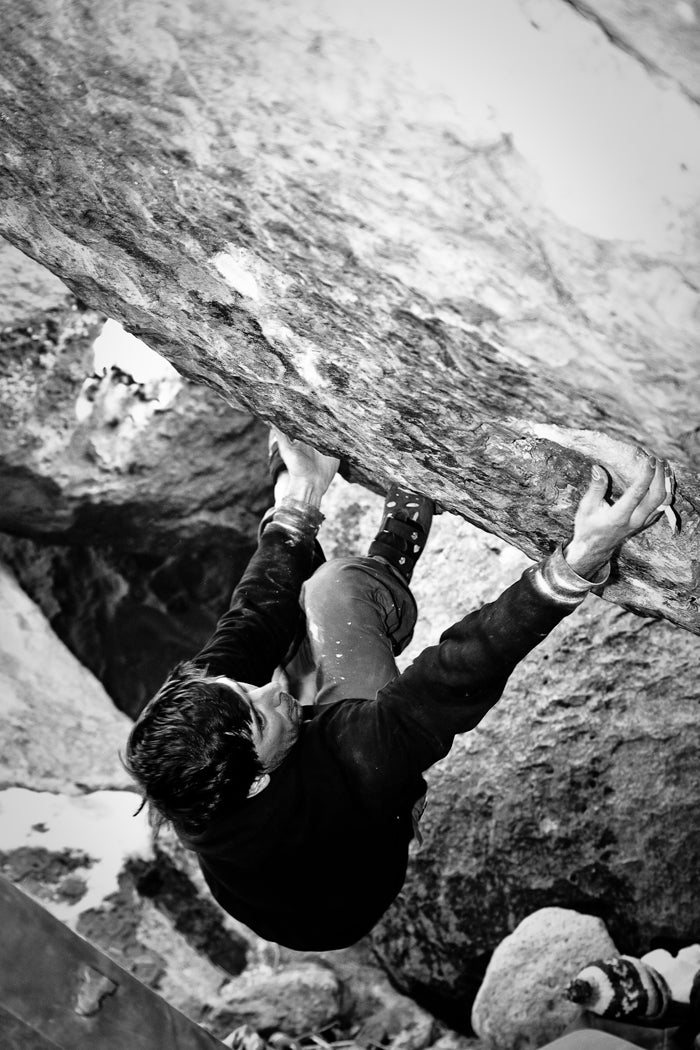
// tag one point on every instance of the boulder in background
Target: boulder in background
(521, 1001)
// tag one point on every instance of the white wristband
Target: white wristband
(555, 578)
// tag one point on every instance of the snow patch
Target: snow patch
(101, 824)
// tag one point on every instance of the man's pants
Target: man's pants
(359, 616)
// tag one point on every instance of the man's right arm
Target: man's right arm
(451, 686)
(253, 637)
(255, 633)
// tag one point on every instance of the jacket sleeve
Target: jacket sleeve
(253, 637)
(451, 686)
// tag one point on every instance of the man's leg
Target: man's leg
(358, 615)
(360, 612)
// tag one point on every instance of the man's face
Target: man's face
(275, 717)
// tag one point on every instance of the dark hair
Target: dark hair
(190, 750)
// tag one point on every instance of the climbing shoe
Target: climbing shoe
(404, 531)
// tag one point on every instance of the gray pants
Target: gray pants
(359, 616)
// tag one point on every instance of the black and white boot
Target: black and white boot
(404, 531)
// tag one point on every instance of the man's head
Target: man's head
(204, 740)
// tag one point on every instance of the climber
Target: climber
(289, 753)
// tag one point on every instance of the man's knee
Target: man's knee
(338, 581)
(360, 592)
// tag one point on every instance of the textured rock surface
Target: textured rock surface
(128, 618)
(27, 289)
(579, 790)
(291, 221)
(295, 999)
(58, 726)
(521, 1002)
(108, 461)
(287, 218)
(153, 491)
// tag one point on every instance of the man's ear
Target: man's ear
(259, 784)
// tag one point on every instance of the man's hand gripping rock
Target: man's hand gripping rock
(601, 527)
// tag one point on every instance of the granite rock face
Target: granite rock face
(315, 237)
(309, 231)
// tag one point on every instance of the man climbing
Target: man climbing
(302, 824)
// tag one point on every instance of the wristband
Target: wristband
(555, 578)
(301, 520)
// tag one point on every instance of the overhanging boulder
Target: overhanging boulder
(298, 225)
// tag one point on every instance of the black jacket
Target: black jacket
(315, 859)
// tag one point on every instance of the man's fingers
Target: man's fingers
(657, 493)
(595, 493)
(637, 490)
(655, 500)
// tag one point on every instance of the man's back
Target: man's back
(314, 860)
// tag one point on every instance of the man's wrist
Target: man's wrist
(298, 518)
(557, 580)
(304, 490)
(584, 562)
